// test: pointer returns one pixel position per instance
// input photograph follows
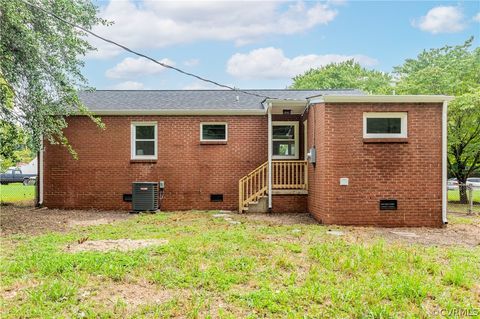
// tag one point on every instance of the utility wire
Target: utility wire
(143, 55)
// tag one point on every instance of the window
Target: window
(213, 132)
(285, 140)
(385, 125)
(144, 140)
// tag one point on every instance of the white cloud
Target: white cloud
(191, 62)
(154, 24)
(271, 63)
(129, 85)
(134, 67)
(477, 17)
(443, 19)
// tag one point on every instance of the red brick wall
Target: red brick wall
(409, 172)
(191, 171)
(289, 203)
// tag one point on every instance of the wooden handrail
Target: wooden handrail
(290, 175)
(285, 175)
(252, 186)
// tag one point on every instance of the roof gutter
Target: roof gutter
(180, 112)
(379, 99)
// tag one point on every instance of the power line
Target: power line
(143, 55)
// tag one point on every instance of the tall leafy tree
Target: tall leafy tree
(451, 70)
(40, 66)
(348, 74)
(9, 140)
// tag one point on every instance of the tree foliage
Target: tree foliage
(464, 137)
(40, 66)
(451, 70)
(347, 75)
(9, 138)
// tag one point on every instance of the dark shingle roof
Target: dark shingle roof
(109, 100)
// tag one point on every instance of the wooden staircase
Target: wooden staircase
(253, 187)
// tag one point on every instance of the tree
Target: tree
(14, 148)
(451, 70)
(464, 138)
(40, 67)
(348, 74)
(8, 145)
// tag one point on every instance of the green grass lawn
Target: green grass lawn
(212, 268)
(453, 195)
(16, 192)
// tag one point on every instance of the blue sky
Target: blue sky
(264, 44)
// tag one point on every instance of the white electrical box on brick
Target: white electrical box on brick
(344, 181)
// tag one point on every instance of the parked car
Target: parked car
(15, 175)
(452, 184)
(474, 182)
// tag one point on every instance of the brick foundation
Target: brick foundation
(289, 203)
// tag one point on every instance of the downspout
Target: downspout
(444, 162)
(40, 173)
(269, 114)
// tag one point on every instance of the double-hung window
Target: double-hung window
(385, 125)
(285, 140)
(144, 140)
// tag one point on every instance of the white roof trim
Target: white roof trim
(380, 99)
(286, 102)
(179, 112)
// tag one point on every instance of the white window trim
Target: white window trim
(295, 125)
(134, 156)
(403, 130)
(213, 123)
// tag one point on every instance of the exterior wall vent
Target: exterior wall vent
(216, 197)
(144, 196)
(388, 204)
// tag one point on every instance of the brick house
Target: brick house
(343, 156)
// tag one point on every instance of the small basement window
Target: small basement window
(144, 140)
(213, 132)
(385, 125)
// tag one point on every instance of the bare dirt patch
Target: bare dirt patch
(282, 219)
(90, 222)
(33, 221)
(114, 244)
(18, 289)
(132, 294)
(137, 294)
(451, 235)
